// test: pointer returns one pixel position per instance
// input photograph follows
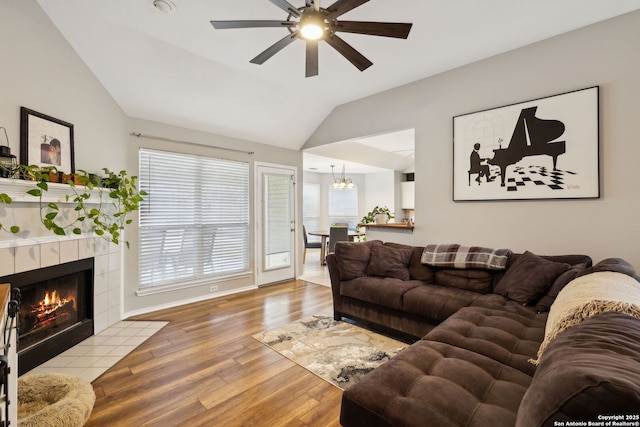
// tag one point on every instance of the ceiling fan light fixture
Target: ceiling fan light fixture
(166, 6)
(312, 26)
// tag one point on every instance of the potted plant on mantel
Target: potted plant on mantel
(106, 219)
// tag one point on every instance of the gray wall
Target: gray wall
(604, 54)
(42, 72)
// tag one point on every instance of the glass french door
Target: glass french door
(275, 221)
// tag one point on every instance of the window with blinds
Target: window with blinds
(343, 206)
(194, 223)
(311, 209)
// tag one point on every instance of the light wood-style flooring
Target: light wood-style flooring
(205, 369)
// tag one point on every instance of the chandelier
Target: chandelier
(341, 182)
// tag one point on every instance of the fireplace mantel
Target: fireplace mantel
(57, 193)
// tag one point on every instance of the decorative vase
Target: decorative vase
(381, 218)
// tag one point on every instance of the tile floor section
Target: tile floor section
(93, 356)
(313, 271)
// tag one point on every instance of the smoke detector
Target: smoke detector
(166, 6)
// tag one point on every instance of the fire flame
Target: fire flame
(52, 301)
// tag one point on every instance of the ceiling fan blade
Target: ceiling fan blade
(312, 58)
(345, 49)
(384, 29)
(286, 6)
(343, 6)
(224, 25)
(274, 48)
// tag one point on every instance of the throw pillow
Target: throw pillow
(353, 257)
(458, 256)
(544, 304)
(528, 277)
(387, 261)
(417, 270)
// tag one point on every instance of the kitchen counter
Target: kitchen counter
(390, 225)
(397, 232)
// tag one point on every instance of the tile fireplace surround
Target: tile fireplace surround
(25, 255)
(42, 249)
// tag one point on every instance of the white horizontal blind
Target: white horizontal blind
(311, 209)
(343, 202)
(194, 224)
(343, 206)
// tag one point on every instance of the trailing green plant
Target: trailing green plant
(5, 198)
(370, 217)
(106, 219)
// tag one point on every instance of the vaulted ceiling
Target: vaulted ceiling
(176, 68)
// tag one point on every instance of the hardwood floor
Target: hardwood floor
(205, 369)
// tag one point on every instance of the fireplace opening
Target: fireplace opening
(56, 310)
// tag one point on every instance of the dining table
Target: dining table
(324, 234)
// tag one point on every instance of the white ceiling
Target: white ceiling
(176, 68)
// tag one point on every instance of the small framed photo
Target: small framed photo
(46, 141)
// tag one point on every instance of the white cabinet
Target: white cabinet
(408, 194)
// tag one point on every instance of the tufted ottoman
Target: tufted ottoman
(436, 384)
(509, 338)
(54, 400)
(471, 370)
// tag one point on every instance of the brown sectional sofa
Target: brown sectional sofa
(477, 330)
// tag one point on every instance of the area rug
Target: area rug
(338, 352)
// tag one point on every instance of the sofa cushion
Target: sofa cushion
(498, 302)
(389, 261)
(458, 256)
(432, 383)
(528, 277)
(384, 291)
(544, 303)
(472, 280)
(589, 370)
(353, 258)
(417, 270)
(508, 338)
(435, 302)
(617, 265)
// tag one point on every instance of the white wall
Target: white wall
(42, 72)
(381, 192)
(603, 54)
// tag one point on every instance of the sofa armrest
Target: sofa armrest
(336, 280)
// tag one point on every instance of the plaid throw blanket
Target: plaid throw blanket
(457, 256)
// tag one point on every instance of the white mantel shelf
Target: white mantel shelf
(57, 193)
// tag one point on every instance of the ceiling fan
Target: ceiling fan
(313, 23)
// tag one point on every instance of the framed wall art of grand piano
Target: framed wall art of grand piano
(546, 148)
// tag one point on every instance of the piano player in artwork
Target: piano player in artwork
(531, 137)
(476, 166)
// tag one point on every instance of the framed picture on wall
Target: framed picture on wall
(547, 148)
(46, 141)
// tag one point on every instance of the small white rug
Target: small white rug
(338, 352)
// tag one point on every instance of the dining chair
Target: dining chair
(337, 234)
(308, 244)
